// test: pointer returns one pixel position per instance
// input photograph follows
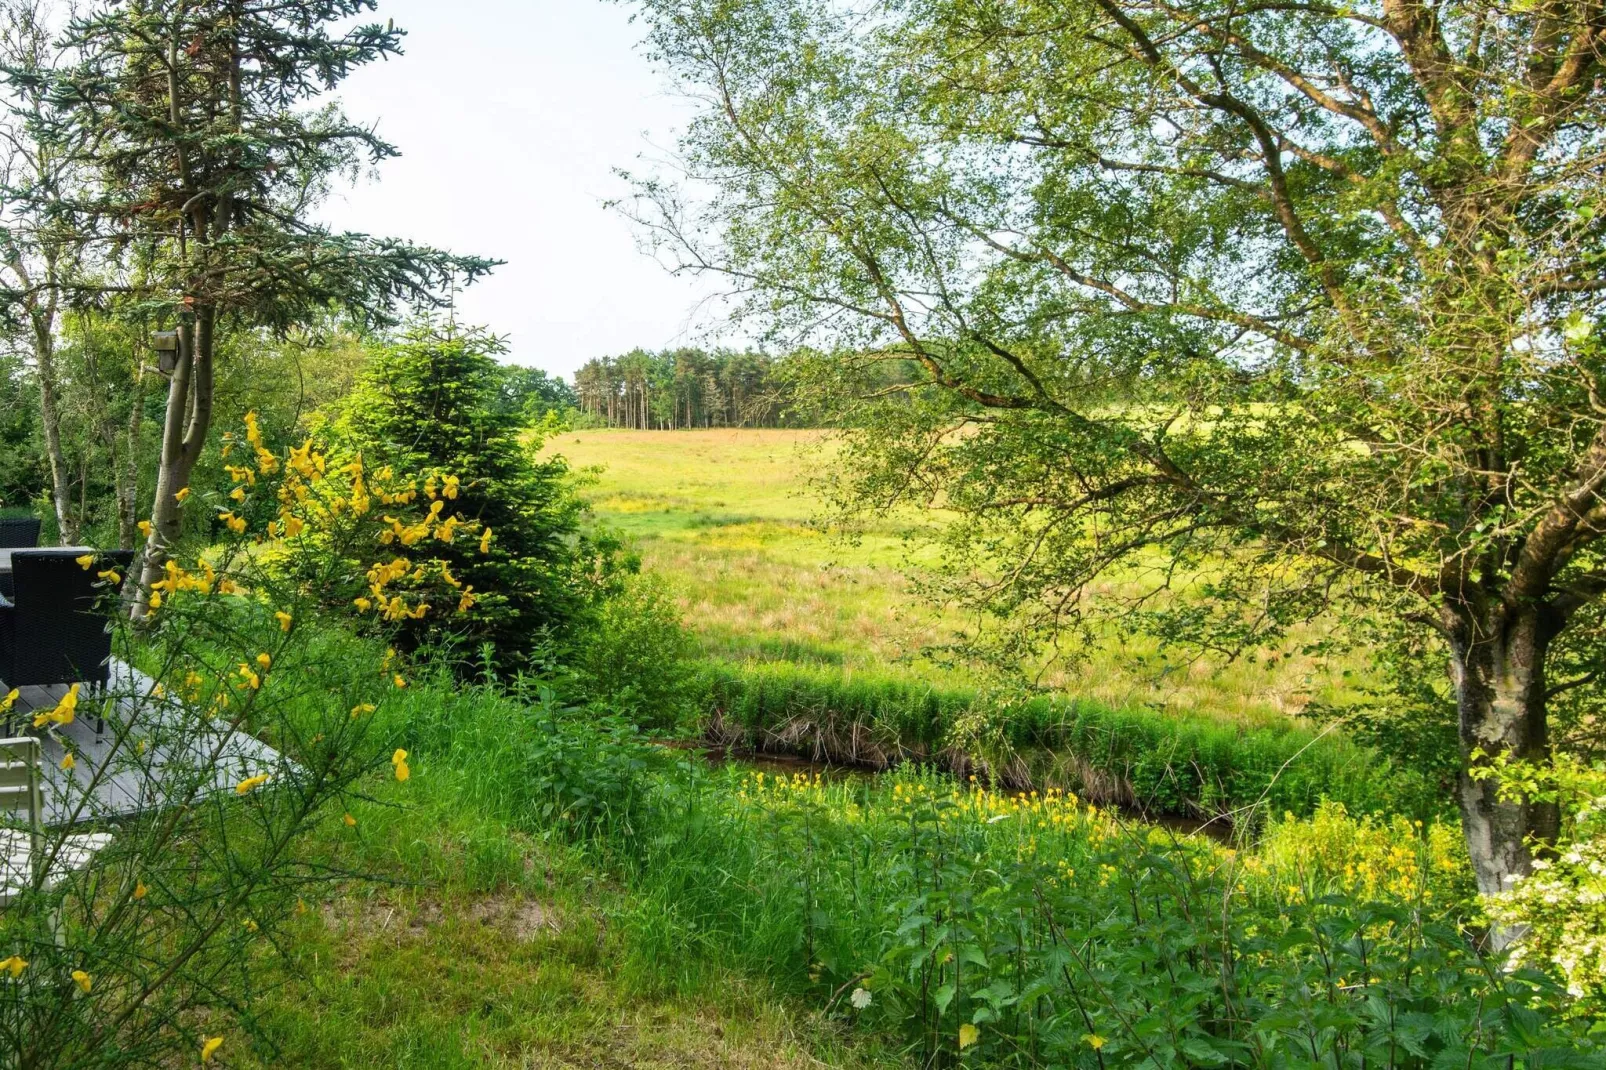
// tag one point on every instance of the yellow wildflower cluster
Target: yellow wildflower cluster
(1366, 857)
(1027, 813)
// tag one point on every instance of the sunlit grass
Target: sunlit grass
(471, 944)
(731, 518)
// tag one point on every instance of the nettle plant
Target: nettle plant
(145, 952)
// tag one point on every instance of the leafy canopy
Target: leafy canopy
(1275, 306)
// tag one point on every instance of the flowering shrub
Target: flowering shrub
(428, 417)
(1561, 908)
(135, 948)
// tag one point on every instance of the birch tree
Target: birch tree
(1349, 257)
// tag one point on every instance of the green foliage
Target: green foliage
(686, 388)
(23, 476)
(636, 656)
(1273, 311)
(533, 394)
(167, 922)
(430, 404)
(1160, 763)
(1059, 934)
(1561, 907)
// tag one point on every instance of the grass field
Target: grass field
(729, 517)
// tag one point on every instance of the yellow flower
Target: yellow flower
(968, 1035)
(14, 966)
(399, 760)
(399, 681)
(238, 494)
(145, 529)
(250, 784)
(362, 708)
(180, 494)
(249, 678)
(67, 761)
(234, 523)
(266, 661)
(82, 979)
(466, 603)
(293, 526)
(110, 575)
(1093, 1040)
(449, 488)
(9, 701)
(350, 821)
(85, 561)
(485, 542)
(140, 891)
(63, 713)
(363, 605)
(155, 600)
(210, 1048)
(284, 620)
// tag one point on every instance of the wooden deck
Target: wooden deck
(148, 753)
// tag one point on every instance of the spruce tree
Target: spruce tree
(202, 143)
(430, 405)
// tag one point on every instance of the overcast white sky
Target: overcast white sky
(510, 115)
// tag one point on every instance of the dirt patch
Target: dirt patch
(522, 919)
(405, 916)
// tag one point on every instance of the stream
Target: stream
(786, 765)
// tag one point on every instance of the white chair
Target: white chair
(23, 846)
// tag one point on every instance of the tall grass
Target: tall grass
(730, 517)
(1006, 929)
(1154, 762)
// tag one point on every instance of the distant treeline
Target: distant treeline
(685, 388)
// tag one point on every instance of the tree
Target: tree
(35, 253)
(1347, 256)
(429, 408)
(197, 123)
(686, 388)
(532, 393)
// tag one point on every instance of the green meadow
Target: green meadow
(732, 519)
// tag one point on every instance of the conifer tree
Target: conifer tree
(430, 405)
(204, 149)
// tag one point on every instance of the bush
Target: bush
(635, 656)
(1033, 930)
(132, 958)
(1561, 908)
(430, 408)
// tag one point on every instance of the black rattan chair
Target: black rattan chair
(57, 630)
(16, 531)
(19, 531)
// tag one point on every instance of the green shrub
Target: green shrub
(1033, 930)
(430, 407)
(1561, 907)
(635, 656)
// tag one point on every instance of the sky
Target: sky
(511, 116)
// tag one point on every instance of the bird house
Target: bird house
(166, 345)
